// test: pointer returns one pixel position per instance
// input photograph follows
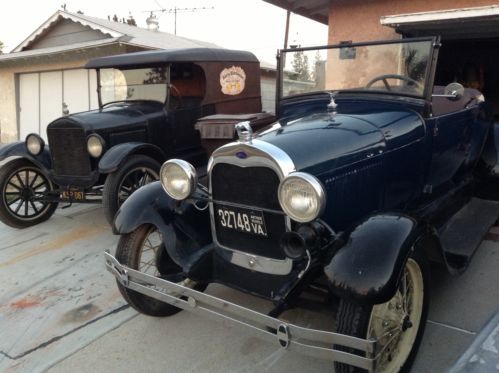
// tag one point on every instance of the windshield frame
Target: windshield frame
(166, 83)
(428, 79)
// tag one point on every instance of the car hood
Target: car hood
(122, 115)
(321, 142)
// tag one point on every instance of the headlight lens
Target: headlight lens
(34, 143)
(95, 145)
(178, 178)
(302, 197)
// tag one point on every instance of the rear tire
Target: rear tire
(143, 250)
(401, 320)
(21, 183)
(137, 171)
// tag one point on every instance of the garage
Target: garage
(45, 96)
(470, 45)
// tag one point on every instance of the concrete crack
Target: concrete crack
(55, 339)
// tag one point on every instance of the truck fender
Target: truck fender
(184, 228)
(114, 157)
(18, 149)
(368, 267)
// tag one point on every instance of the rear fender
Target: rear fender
(184, 228)
(367, 269)
(116, 156)
(18, 149)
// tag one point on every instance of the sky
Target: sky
(252, 25)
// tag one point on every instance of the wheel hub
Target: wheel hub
(27, 194)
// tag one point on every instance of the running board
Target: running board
(315, 343)
(466, 229)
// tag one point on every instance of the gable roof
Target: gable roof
(134, 35)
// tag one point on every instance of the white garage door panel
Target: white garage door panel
(76, 90)
(94, 104)
(29, 104)
(50, 99)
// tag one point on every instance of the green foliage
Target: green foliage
(300, 66)
(1, 47)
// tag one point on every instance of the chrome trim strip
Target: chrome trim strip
(258, 154)
(260, 263)
(311, 342)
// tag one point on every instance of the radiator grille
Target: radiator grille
(255, 187)
(69, 151)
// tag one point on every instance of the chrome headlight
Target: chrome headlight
(178, 178)
(34, 143)
(302, 197)
(95, 145)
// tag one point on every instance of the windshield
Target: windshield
(398, 67)
(134, 84)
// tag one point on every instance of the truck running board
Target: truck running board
(315, 343)
(466, 229)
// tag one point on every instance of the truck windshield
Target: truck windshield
(396, 67)
(133, 84)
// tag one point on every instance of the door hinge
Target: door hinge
(428, 189)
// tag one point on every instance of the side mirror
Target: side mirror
(454, 91)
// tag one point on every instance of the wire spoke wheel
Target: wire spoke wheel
(397, 325)
(23, 187)
(144, 250)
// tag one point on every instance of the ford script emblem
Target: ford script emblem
(241, 155)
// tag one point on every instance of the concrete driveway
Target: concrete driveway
(61, 311)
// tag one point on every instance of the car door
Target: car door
(452, 146)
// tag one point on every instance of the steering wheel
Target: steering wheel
(175, 93)
(384, 78)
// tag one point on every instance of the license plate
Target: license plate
(73, 195)
(242, 220)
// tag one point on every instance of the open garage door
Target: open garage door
(470, 45)
(464, 23)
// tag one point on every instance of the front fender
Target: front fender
(114, 157)
(18, 149)
(184, 228)
(368, 267)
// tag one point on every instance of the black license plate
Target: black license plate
(241, 219)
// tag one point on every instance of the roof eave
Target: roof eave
(54, 18)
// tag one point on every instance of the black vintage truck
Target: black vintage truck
(149, 103)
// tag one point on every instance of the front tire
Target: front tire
(137, 171)
(21, 186)
(398, 324)
(143, 250)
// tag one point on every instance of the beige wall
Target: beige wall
(359, 20)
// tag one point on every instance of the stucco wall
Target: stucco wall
(359, 20)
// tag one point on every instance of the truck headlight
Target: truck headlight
(95, 145)
(302, 197)
(34, 143)
(178, 178)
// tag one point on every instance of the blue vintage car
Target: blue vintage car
(375, 168)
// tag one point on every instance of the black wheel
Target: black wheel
(398, 323)
(143, 250)
(137, 171)
(21, 185)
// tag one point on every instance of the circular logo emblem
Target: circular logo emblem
(232, 80)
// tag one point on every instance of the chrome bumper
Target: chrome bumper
(315, 343)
